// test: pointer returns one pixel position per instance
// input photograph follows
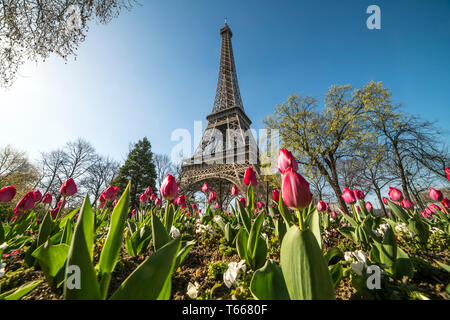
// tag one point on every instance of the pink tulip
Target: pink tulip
(276, 195)
(7, 193)
(234, 191)
(181, 200)
(406, 204)
(369, 206)
(143, 198)
(153, 197)
(211, 197)
(321, 206)
(169, 188)
(447, 172)
(358, 194)
(334, 214)
(47, 199)
(250, 177)
(133, 212)
(385, 200)
(242, 201)
(436, 195)
(259, 205)
(395, 194)
(68, 188)
(158, 202)
(148, 191)
(286, 160)
(115, 202)
(348, 196)
(205, 188)
(27, 202)
(110, 193)
(217, 206)
(435, 207)
(446, 203)
(37, 195)
(295, 190)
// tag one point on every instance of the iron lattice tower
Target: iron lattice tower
(227, 146)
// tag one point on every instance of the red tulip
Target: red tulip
(47, 199)
(27, 202)
(205, 188)
(110, 193)
(148, 191)
(115, 202)
(242, 201)
(385, 201)
(358, 194)
(211, 197)
(259, 205)
(234, 191)
(217, 206)
(447, 172)
(194, 207)
(37, 195)
(61, 204)
(169, 188)
(295, 190)
(143, 198)
(153, 197)
(369, 206)
(286, 160)
(358, 209)
(436, 195)
(446, 203)
(348, 196)
(133, 212)
(406, 204)
(250, 177)
(54, 213)
(395, 194)
(181, 200)
(276, 195)
(68, 188)
(435, 207)
(158, 202)
(428, 211)
(334, 214)
(321, 206)
(7, 193)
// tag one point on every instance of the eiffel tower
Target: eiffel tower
(227, 146)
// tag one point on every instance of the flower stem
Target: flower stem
(300, 219)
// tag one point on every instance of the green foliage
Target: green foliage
(215, 269)
(140, 169)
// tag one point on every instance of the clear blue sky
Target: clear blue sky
(154, 69)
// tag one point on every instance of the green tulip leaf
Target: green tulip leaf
(268, 283)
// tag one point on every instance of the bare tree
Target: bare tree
(35, 29)
(99, 176)
(163, 166)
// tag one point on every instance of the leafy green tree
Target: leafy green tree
(140, 169)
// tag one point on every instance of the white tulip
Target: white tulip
(174, 232)
(192, 290)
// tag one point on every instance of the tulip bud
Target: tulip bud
(7, 193)
(286, 160)
(234, 191)
(395, 194)
(217, 206)
(295, 190)
(153, 197)
(158, 202)
(250, 177)
(275, 195)
(27, 202)
(369, 206)
(358, 194)
(47, 199)
(348, 196)
(133, 212)
(68, 188)
(143, 198)
(110, 193)
(211, 197)
(446, 203)
(436, 195)
(181, 200)
(148, 191)
(385, 201)
(169, 188)
(406, 204)
(205, 188)
(242, 201)
(194, 207)
(37, 195)
(321, 206)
